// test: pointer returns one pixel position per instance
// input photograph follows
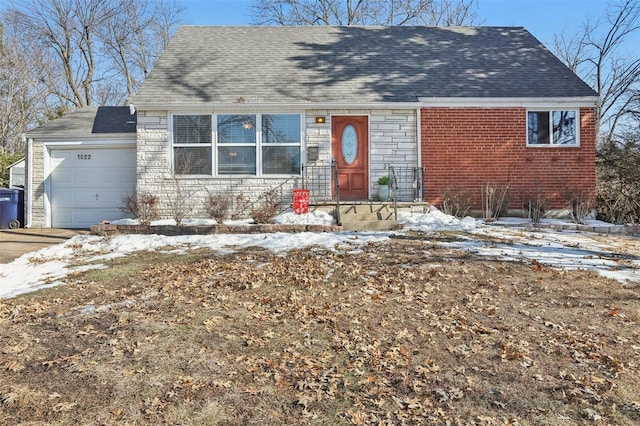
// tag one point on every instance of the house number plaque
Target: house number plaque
(84, 156)
(349, 144)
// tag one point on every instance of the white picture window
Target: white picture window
(552, 127)
(243, 144)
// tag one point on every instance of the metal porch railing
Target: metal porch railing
(281, 192)
(323, 184)
(318, 180)
(405, 183)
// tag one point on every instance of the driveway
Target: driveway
(16, 242)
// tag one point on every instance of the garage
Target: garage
(79, 166)
(87, 185)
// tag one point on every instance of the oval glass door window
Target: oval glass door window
(349, 144)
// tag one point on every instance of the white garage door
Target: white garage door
(87, 185)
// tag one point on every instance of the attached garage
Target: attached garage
(87, 185)
(79, 168)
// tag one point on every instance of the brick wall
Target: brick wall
(464, 148)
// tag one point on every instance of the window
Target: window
(280, 144)
(552, 128)
(236, 144)
(243, 144)
(192, 144)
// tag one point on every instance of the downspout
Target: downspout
(29, 183)
(419, 145)
(419, 135)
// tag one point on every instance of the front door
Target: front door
(350, 144)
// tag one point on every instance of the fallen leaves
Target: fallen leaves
(395, 333)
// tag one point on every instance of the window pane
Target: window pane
(191, 129)
(236, 160)
(281, 160)
(564, 127)
(236, 128)
(192, 161)
(538, 127)
(280, 128)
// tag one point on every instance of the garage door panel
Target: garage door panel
(87, 185)
(64, 177)
(89, 198)
(86, 177)
(115, 176)
(110, 198)
(83, 198)
(93, 216)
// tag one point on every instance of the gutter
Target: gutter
(529, 102)
(486, 102)
(258, 106)
(29, 183)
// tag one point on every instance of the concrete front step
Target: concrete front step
(363, 208)
(367, 217)
(370, 225)
(358, 217)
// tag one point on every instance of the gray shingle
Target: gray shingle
(90, 120)
(354, 64)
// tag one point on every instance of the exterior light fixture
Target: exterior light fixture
(320, 120)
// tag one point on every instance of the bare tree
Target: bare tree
(23, 96)
(602, 54)
(605, 55)
(99, 50)
(363, 12)
(67, 28)
(135, 36)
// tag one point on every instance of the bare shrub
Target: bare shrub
(580, 204)
(218, 206)
(268, 208)
(179, 193)
(456, 201)
(534, 206)
(618, 181)
(494, 201)
(239, 205)
(179, 201)
(142, 205)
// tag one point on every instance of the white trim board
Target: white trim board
(547, 103)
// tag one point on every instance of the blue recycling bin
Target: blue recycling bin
(10, 200)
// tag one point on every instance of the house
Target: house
(241, 111)
(79, 166)
(16, 174)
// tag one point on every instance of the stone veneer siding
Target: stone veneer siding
(465, 148)
(392, 140)
(37, 188)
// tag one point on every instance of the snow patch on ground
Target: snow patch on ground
(562, 249)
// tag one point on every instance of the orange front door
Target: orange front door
(350, 144)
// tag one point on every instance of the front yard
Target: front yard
(408, 330)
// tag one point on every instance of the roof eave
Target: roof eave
(51, 135)
(178, 106)
(16, 163)
(523, 102)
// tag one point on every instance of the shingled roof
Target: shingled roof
(89, 121)
(321, 64)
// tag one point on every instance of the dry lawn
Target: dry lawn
(404, 332)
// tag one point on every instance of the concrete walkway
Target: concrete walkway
(16, 242)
